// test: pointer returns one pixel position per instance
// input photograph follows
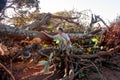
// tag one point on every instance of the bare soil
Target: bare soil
(29, 71)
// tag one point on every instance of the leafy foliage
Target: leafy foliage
(47, 62)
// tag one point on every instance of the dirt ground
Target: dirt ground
(107, 74)
(29, 71)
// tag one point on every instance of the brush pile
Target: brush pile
(91, 52)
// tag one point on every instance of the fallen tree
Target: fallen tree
(17, 33)
(78, 57)
(13, 32)
(75, 63)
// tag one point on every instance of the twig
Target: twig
(11, 66)
(98, 71)
(82, 69)
(7, 71)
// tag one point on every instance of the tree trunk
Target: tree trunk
(19, 34)
(13, 32)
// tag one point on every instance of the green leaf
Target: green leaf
(46, 68)
(53, 30)
(46, 63)
(95, 40)
(44, 46)
(51, 55)
(50, 26)
(42, 63)
(57, 41)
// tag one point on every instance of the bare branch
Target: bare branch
(7, 71)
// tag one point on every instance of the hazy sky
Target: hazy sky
(107, 9)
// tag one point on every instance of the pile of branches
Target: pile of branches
(112, 35)
(75, 63)
(87, 55)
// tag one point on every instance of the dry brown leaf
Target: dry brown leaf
(33, 41)
(3, 50)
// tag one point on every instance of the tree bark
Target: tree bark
(19, 34)
(13, 32)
